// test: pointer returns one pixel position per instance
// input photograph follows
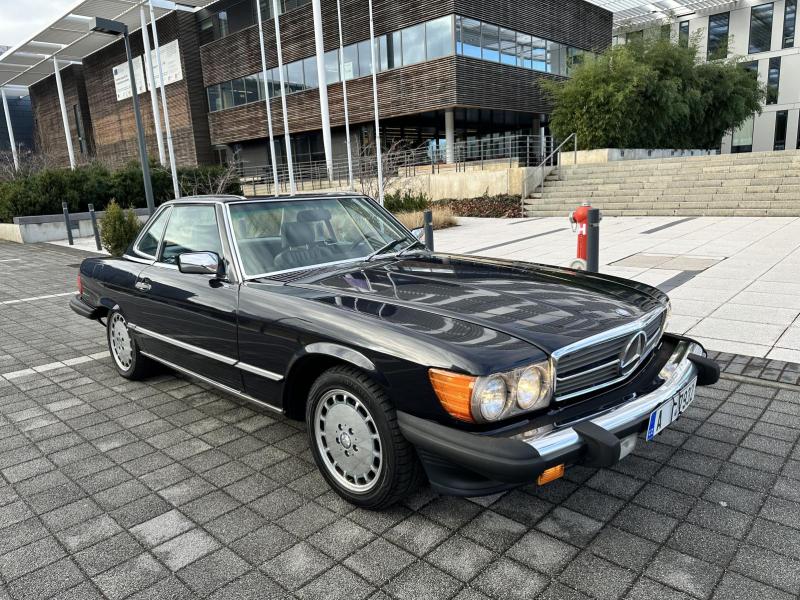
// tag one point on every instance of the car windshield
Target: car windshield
(274, 236)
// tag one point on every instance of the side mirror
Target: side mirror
(419, 233)
(200, 263)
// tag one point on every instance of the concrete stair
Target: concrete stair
(754, 184)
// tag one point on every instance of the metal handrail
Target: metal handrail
(572, 136)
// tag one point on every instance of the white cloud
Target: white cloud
(21, 19)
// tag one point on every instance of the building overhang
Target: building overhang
(630, 15)
(69, 39)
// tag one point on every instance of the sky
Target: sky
(20, 19)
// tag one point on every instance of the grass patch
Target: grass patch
(443, 218)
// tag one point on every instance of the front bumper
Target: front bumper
(464, 463)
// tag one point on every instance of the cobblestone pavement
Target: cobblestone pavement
(165, 489)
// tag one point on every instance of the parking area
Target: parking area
(166, 489)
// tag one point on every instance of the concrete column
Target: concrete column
(289, 164)
(450, 135)
(272, 154)
(151, 82)
(10, 130)
(64, 119)
(323, 86)
(176, 188)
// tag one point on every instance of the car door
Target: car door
(189, 320)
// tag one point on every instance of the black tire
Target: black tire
(139, 366)
(400, 473)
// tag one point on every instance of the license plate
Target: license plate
(671, 409)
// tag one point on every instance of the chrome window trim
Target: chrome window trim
(212, 382)
(231, 362)
(637, 325)
(148, 225)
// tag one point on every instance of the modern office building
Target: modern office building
(19, 106)
(763, 35)
(457, 69)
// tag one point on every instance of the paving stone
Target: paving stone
(162, 528)
(234, 525)
(542, 552)
(213, 571)
(647, 589)
(422, 581)
(774, 536)
(494, 530)
(338, 583)
(129, 577)
(108, 553)
(703, 543)
(30, 557)
(341, 538)
(767, 567)
(298, 565)
(736, 587)
(570, 526)
(417, 534)
(252, 586)
(263, 544)
(89, 532)
(379, 561)
(684, 572)
(460, 557)
(625, 549)
(47, 581)
(597, 576)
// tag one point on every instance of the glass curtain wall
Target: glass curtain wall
(760, 28)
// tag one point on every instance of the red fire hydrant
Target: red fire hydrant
(579, 219)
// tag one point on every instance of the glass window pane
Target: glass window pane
(332, 66)
(239, 95)
(148, 245)
(539, 60)
(191, 229)
(718, 35)
(293, 72)
(240, 15)
(364, 59)
(490, 42)
(413, 44)
(468, 37)
(214, 99)
(508, 47)
(222, 20)
(394, 50)
(439, 37)
(226, 91)
(274, 83)
(310, 72)
(524, 50)
(743, 136)
(351, 62)
(556, 58)
(781, 119)
(252, 85)
(773, 80)
(789, 20)
(383, 56)
(683, 34)
(760, 28)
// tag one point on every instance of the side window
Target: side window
(148, 245)
(191, 229)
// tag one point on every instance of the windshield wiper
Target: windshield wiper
(385, 248)
(411, 246)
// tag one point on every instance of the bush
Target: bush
(406, 201)
(442, 218)
(118, 228)
(42, 192)
(487, 206)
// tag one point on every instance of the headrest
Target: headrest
(313, 214)
(298, 234)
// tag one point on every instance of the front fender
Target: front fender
(340, 352)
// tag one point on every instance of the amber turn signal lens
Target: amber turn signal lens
(551, 474)
(454, 391)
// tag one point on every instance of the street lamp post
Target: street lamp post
(110, 27)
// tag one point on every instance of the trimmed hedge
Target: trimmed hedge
(43, 192)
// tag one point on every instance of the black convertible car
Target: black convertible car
(482, 374)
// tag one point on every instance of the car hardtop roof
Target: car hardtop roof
(229, 198)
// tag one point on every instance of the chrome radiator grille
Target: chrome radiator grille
(607, 358)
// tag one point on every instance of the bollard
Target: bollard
(427, 220)
(593, 241)
(93, 217)
(67, 223)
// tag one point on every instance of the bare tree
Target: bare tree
(198, 182)
(395, 160)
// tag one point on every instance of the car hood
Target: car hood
(547, 306)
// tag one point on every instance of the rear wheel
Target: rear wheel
(123, 348)
(356, 441)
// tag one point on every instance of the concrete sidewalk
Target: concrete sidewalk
(734, 281)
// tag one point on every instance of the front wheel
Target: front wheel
(356, 441)
(123, 348)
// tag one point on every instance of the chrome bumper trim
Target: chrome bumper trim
(677, 372)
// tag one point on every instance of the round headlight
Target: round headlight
(529, 388)
(491, 398)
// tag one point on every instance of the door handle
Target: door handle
(143, 285)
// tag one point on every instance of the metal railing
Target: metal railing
(553, 160)
(478, 154)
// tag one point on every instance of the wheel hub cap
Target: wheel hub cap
(120, 342)
(348, 441)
